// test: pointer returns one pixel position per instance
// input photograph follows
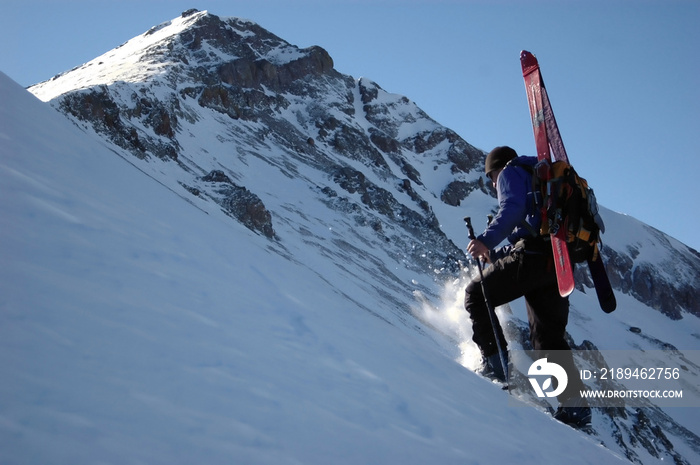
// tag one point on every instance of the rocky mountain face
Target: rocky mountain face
(668, 285)
(233, 118)
(252, 92)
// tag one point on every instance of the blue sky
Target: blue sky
(622, 75)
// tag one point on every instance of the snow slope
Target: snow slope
(155, 323)
(135, 328)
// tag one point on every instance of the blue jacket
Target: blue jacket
(516, 203)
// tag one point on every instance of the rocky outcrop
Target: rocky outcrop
(258, 73)
(240, 203)
(99, 108)
(456, 191)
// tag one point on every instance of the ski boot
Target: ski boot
(492, 369)
(574, 412)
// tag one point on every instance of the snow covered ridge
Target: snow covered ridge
(214, 41)
(134, 61)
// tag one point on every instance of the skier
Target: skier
(523, 268)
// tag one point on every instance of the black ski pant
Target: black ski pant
(527, 271)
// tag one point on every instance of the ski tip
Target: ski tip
(565, 291)
(566, 283)
(528, 60)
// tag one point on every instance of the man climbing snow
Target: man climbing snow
(525, 267)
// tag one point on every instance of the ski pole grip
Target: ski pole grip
(468, 220)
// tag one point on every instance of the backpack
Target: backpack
(569, 203)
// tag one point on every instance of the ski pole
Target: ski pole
(491, 311)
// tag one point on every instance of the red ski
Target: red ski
(549, 148)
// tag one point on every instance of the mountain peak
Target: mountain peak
(232, 50)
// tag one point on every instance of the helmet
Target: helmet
(498, 158)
